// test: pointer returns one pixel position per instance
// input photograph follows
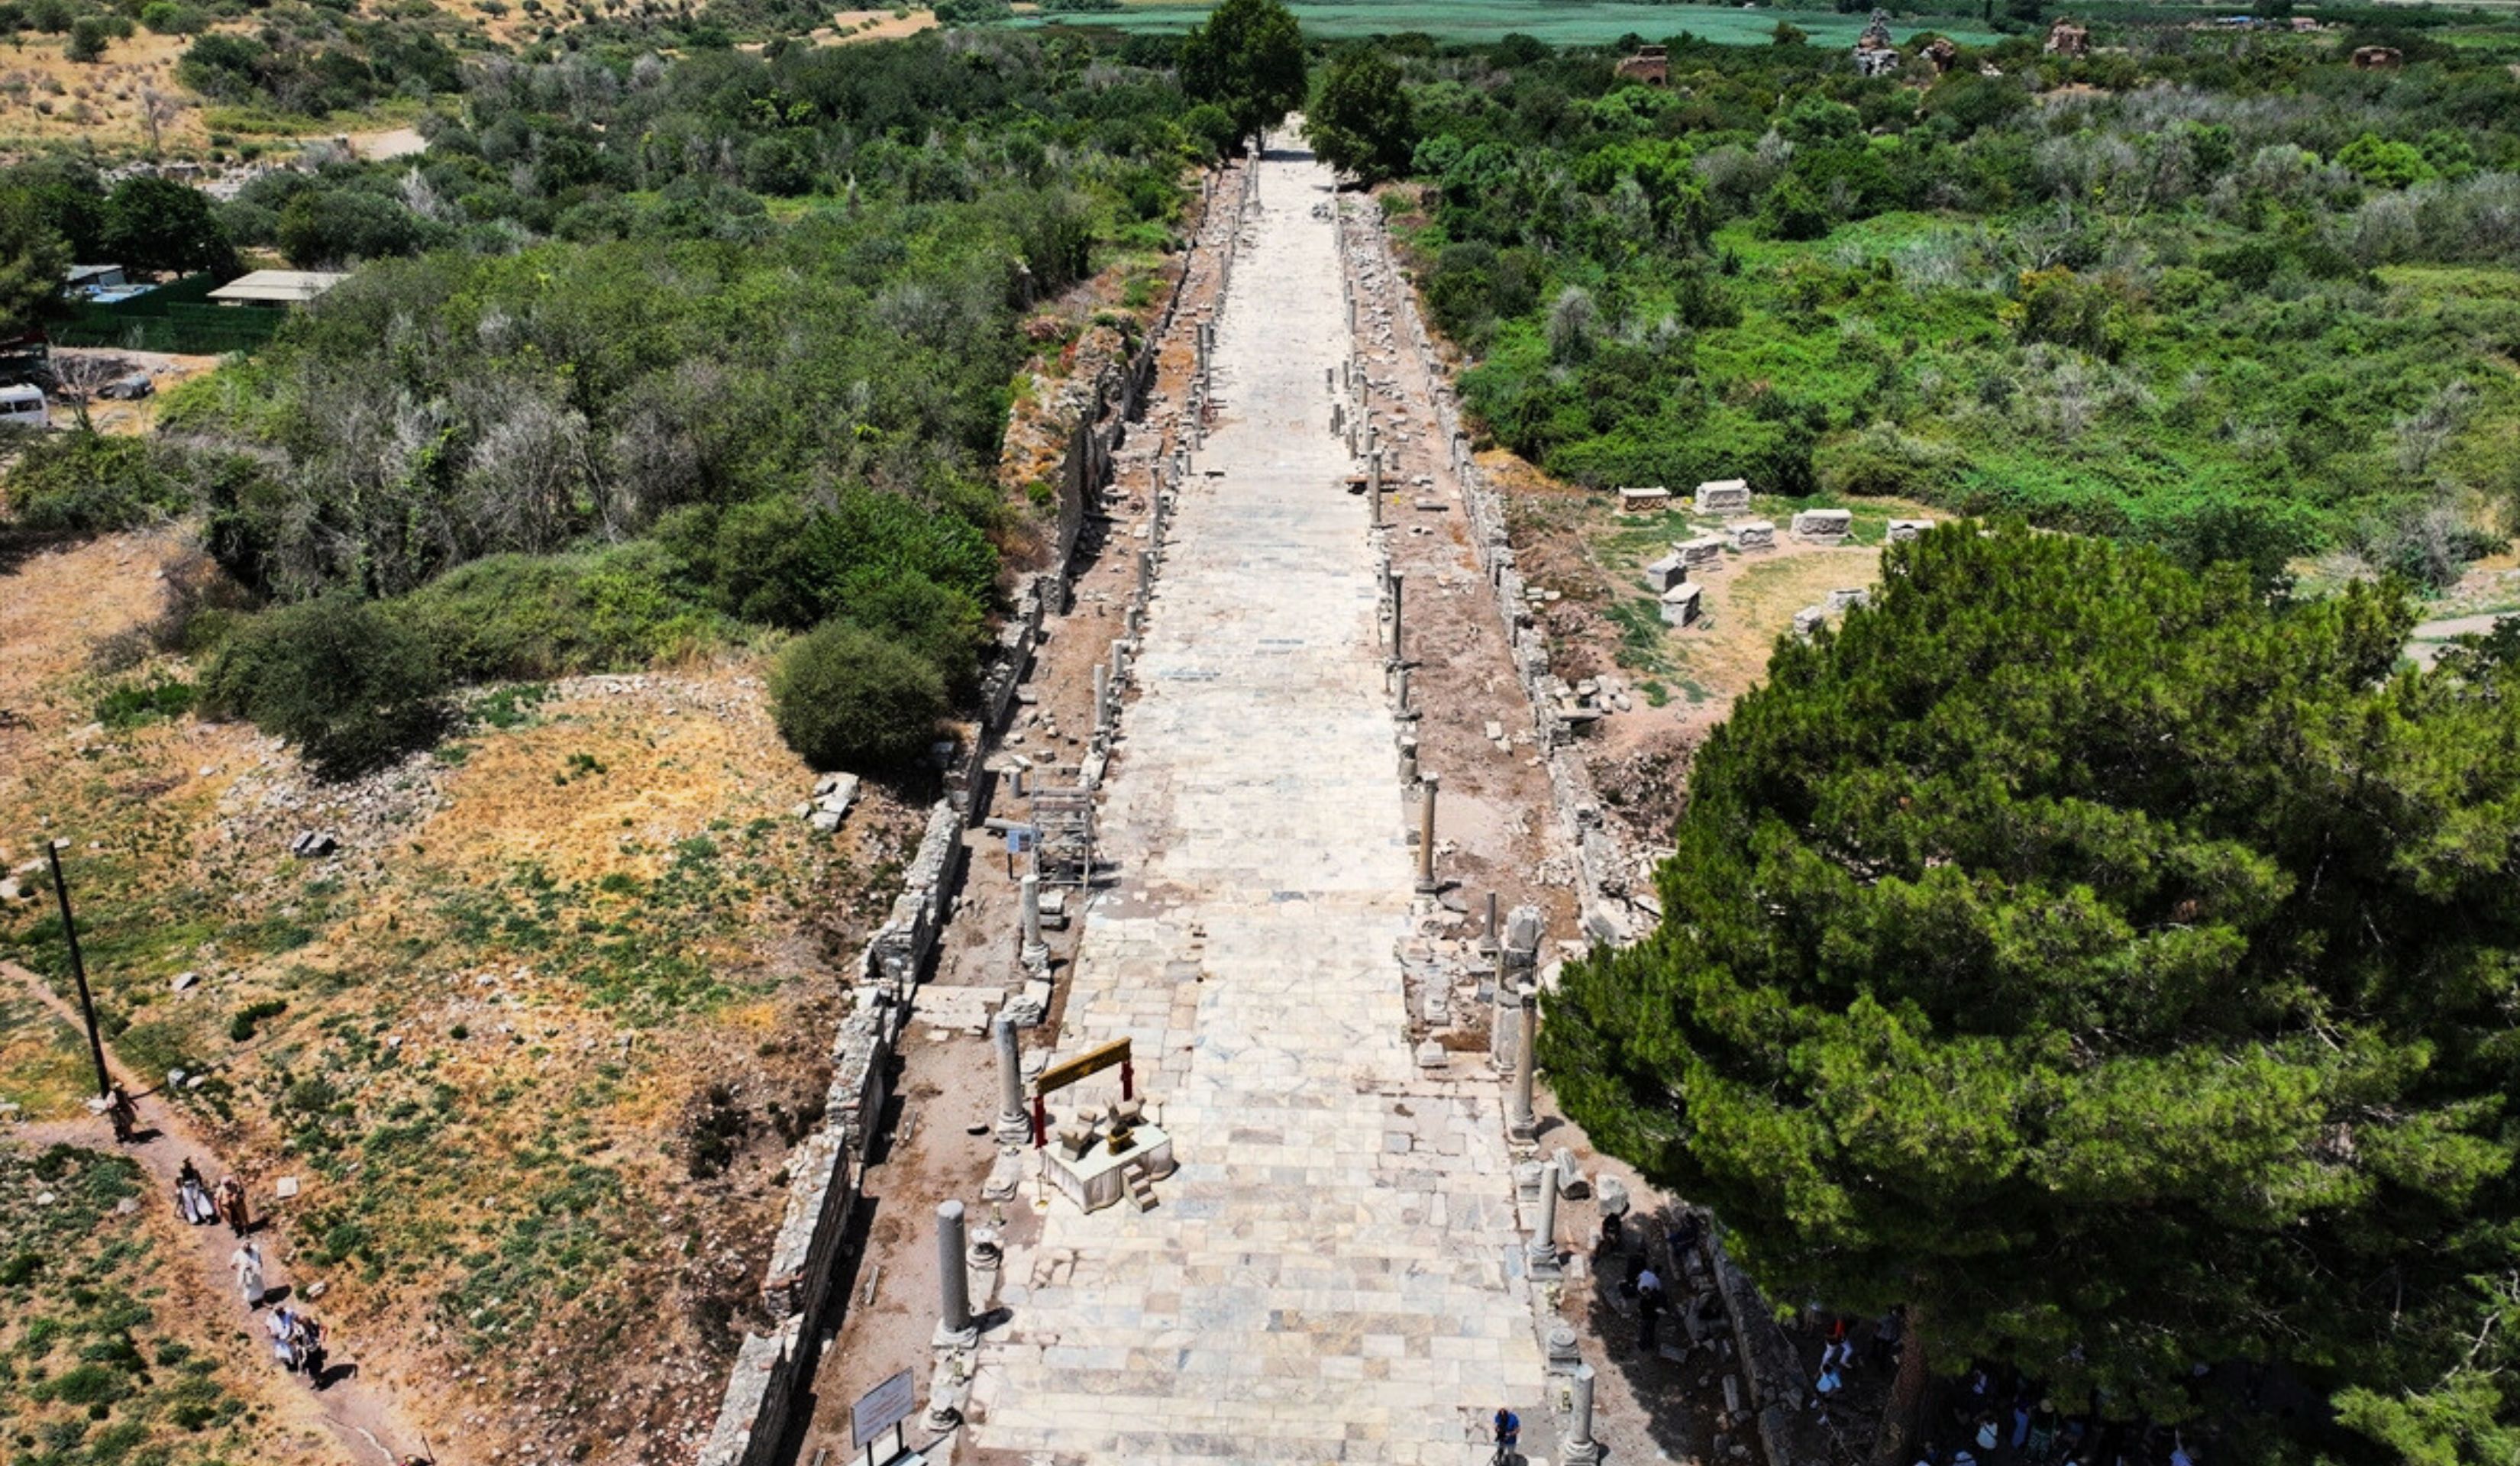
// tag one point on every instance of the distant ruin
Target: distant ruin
(1651, 65)
(1875, 54)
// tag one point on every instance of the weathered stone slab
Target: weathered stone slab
(1822, 526)
(1722, 496)
(1752, 534)
(1701, 553)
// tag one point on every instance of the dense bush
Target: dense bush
(89, 483)
(846, 697)
(2218, 309)
(589, 405)
(350, 683)
(518, 616)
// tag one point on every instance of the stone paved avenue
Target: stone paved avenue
(1333, 1274)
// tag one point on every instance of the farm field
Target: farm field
(1576, 22)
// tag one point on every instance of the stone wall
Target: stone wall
(1786, 1434)
(752, 1423)
(1601, 862)
(755, 1417)
(1602, 866)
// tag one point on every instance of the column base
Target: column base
(1580, 1453)
(1015, 1130)
(1544, 1265)
(954, 1338)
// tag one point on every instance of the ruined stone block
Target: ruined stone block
(1909, 529)
(1642, 501)
(1822, 526)
(1753, 534)
(1663, 574)
(1839, 601)
(1680, 605)
(1722, 496)
(1700, 554)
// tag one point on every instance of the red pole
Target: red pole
(1040, 1124)
(1128, 1080)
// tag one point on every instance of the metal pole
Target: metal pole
(79, 971)
(1396, 584)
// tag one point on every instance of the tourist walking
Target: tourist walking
(231, 1208)
(247, 1259)
(124, 1115)
(309, 1336)
(193, 1205)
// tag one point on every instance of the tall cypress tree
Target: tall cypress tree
(2117, 967)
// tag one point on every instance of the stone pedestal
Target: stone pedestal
(1094, 1179)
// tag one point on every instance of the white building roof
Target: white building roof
(279, 287)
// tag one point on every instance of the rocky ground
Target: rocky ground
(531, 1019)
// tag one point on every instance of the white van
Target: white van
(23, 406)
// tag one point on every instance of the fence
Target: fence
(176, 318)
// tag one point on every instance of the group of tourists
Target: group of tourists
(297, 1341)
(2004, 1417)
(197, 1204)
(297, 1337)
(1879, 1339)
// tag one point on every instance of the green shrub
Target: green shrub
(88, 484)
(1792, 212)
(169, 18)
(248, 1019)
(516, 616)
(844, 696)
(88, 36)
(352, 684)
(1883, 461)
(86, 1385)
(135, 703)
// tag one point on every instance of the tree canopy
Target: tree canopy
(157, 224)
(1247, 58)
(1360, 121)
(2115, 965)
(32, 258)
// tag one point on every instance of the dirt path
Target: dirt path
(357, 1414)
(2424, 645)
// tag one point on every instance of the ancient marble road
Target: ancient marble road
(1333, 1274)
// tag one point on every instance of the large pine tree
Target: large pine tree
(2120, 968)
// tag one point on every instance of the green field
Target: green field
(1560, 22)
